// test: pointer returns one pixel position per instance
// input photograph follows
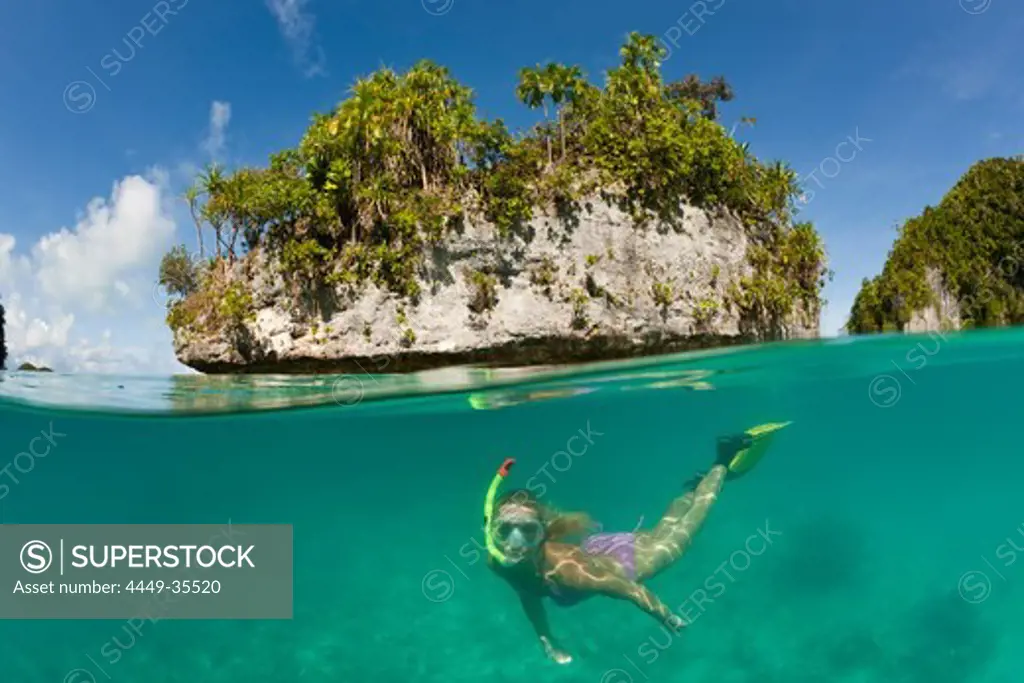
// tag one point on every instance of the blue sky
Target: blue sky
(109, 107)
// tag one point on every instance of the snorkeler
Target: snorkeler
(530, 544)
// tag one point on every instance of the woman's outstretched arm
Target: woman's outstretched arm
(533, 605)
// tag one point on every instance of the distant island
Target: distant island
(28, 367)
(405, 233)
(958, 265)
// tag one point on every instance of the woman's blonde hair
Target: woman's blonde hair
(558, 525)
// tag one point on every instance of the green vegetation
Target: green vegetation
(663, 295)
(788, 275)
(28, 367)
(704, 313)
(402, 320)
(485, 291)
(402, 161)
(972, 239)
(544, 275)
(180, 274)
(595, 291)
(216, 304)
(579, 300)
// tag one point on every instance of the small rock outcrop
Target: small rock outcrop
(29, 367)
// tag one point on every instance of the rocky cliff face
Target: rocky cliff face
(942, 314)
(561, 290)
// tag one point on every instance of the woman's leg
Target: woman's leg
(666, 543)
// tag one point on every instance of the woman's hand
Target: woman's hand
(554, 654)
(675, 622)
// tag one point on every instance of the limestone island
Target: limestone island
(958, 265)
(28, 367)
(405, 233)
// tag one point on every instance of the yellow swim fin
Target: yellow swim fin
(740, 453)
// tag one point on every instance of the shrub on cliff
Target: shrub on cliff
(972, 239)
(401, 161)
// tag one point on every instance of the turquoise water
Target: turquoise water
(892, 503)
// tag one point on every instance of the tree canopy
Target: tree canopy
(405, 158)
(972, 239)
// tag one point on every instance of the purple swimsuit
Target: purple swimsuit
(620, 546)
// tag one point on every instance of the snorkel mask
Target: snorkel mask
(524, 534)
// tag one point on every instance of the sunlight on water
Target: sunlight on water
(876, 542)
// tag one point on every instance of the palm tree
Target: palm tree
(642, 52)
(564, 84)
(533, 90)
(211, 183)
(192, 199)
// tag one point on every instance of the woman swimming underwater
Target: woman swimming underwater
(529, 544)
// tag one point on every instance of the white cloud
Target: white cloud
(105, 358)
(90, 264)
(27, 334)
(11, 266)
(220, 116)
(108, 258)
(298, 26)
(96, 280)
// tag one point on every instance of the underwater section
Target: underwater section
(877, 539)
